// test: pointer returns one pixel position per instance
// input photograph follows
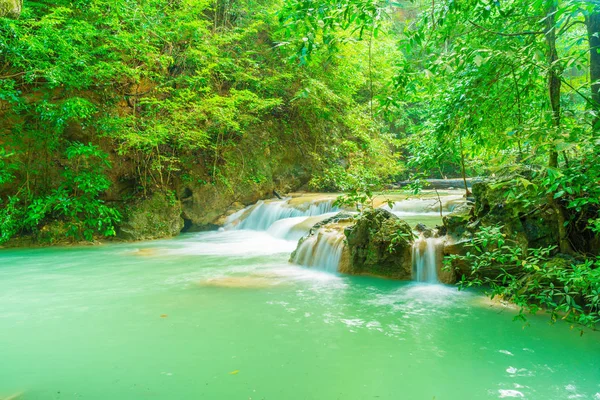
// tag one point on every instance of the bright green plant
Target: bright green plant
(532, 279)
(76, 201)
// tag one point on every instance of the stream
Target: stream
(225, 315)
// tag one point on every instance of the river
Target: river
(224, 315)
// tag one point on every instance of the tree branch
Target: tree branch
(569, 26)
(587, 99)
(507, 34)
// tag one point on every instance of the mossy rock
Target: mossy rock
(380, 244)
(158, 216)
(458, 222)
(10, 8)
(530, 227)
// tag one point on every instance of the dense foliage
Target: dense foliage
(496, 87)
(567, 288)
(106, 101)
(174, 94)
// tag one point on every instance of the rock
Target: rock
(530, 226)
(452, 247)
(425, 231)
(157, 216)
(11, 8)
(440, 231)
(340, 218)
(380, 244)
(457, 222)
(222, 220)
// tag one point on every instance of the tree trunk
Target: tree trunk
(10, 8)
(593, 27)
(554, 86)
(462, 163)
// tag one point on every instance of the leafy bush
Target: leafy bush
(75, 201)
(532, 279)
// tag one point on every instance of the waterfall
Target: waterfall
(262, 215)
(426, 259)
(322, 250)
(424, 206)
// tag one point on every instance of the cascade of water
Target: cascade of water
(322, 250)
(264, 214)
(424, 206)
(426, 259)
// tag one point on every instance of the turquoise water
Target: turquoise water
(222, 315)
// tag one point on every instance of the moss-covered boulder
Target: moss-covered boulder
(157, 216)
(459, 222)
(10, 8)
(531, 226)
(379, 244)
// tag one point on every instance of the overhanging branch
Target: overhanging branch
(524, 33)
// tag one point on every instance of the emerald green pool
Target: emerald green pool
(223, 315)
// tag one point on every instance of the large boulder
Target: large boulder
(379, 244)
(157, 216)
(10, 8)
(531, 226)
(459, 222)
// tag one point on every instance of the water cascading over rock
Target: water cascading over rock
(264, 214)
(324, 246)
(427, 254)
(323, 250)
(424, 206)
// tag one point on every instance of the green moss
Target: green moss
(380, 244)
(155, 217)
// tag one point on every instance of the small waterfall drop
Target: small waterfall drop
(262, 215)
(426, 259)
(322, 250)
(424, 206)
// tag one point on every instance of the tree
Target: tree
(593, 29)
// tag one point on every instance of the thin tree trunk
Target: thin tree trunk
(593, 28)
(554, 87)
(462, 163)
(519, 110)
(371, 71)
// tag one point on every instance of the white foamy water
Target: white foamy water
(264, 214)
(322, 250)
(234, 243)
(427, 259)
(412, 207)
